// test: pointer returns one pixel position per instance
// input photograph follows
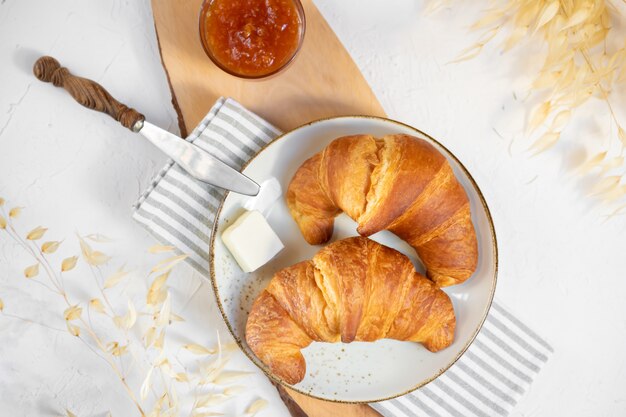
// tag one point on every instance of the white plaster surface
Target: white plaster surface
(562, 266)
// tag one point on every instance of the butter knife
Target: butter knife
(198, 163)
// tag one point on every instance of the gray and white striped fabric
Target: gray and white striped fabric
(488, 380)
(178, 210)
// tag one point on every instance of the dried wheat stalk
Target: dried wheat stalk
(205, 377)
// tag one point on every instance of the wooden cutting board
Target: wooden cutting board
(323, 81)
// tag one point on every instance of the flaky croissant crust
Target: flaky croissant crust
(398, 183)
(352, 290)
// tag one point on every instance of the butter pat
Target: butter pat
(251, 241)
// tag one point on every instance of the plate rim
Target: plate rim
(261, 365)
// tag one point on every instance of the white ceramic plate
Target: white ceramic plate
(359, 371)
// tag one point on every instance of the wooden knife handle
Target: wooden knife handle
(87, 92)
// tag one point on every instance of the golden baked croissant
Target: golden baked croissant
(399, 183)
(353, 289)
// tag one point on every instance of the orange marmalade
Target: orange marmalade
(251, 38)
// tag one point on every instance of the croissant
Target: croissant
(352, 290)
(399, 183)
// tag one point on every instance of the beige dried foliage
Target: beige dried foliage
(176, 317)
(616, 212)
(155, 316)
(95, 237)
(37, 233)
(50, 247)
(163, 318)
(468, 53)
(546, 141)
(165, 397)
(230, 347)
(539, 115)
(234, 390)
(149, 336)
(612, 163)
(157, 292)
(72, 313)
(160, 248)
(169, 263)
(96, 305)
(211, 370)
(31, 271)
(593, 162)
(97, 258)
(199, 349)
(160, 341)
(256, 406)
(93, 257)
(584, 57)
(560, 120)
(69, 413)
(73, 329)
(128, 320)
(605, 184)
(165, 366)
(115, 278)
(490, 17)
(116, 349)
(69, 263)
(145, 386)
(227, 377)
(15, 212)
(210, 399)
(173, 399)
(614, 193)
(621, 134)
(548, 12)
(169, 412)
(181, 377)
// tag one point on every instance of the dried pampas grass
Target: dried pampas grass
(131, 336)
(580, 63)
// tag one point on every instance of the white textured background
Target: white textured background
(562, 267)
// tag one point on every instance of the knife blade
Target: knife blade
(198, 163)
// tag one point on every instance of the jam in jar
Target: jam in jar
(251, 38)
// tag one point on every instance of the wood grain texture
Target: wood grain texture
(317, 408)
(323, 81)
(294, 409)
(86, 92)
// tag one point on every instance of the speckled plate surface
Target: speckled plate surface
(359, 371)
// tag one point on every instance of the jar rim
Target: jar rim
(206, 4)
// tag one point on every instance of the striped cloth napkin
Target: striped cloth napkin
(178, 210)
(487, 380)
